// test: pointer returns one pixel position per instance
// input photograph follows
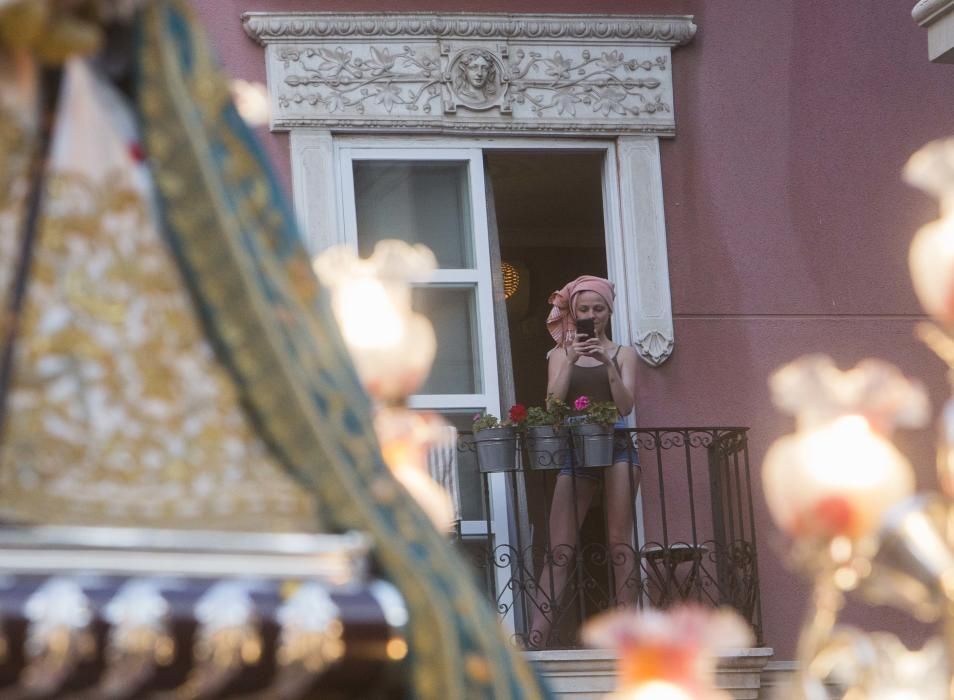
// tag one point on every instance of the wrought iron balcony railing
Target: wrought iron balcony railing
(691, 533)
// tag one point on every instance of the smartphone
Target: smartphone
(585, 326)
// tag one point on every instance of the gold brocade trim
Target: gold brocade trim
(119, 413)
(205, 241)
(17, 142)
(292, 370)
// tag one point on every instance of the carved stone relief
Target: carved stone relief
(588, 75)
(580, 82)
(337, 82)
(476, 79)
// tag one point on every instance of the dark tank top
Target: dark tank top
(591, 381)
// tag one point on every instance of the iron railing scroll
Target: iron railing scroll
(693, 536)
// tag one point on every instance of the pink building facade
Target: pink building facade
(787, 223)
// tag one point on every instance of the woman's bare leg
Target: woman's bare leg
(564, 532)
(622, 482)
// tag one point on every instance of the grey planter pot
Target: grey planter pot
(593, 444)
(496, 449)
(548, 447)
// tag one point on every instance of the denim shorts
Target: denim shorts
(623, 451)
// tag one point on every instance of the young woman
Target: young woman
(602, 370)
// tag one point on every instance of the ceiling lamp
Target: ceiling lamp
(511, 279)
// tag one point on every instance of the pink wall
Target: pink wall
(788, 223)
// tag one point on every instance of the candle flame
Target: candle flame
(368, 315)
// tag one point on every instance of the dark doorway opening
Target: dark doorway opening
(550, 223)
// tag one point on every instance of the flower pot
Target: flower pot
(496, 449)
(593, 444)
(548, 447)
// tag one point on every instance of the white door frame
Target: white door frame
(632, 193)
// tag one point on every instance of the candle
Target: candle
(931, 257)
(838, 473)
(667, 655)
(392, 346)
(931, 260)
(834, 479)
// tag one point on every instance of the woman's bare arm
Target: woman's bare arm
(623, 381)
(559, 368)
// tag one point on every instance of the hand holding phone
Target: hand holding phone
(585, 326)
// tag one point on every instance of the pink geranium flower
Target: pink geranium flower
(581, 403)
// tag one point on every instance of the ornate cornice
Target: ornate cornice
(927, 11)
(471, 128)
(668, 30)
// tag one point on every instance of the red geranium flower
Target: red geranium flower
(518, 413)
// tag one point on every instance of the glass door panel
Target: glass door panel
(415, 201)
(456, 367)
(435, 196)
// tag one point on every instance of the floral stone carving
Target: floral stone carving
(606, 84)
(502, 80)
(335, 81)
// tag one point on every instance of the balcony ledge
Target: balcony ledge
(588, 674)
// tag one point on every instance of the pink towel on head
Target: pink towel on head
(560, 322)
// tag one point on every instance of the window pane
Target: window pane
(468, 476)
(418, 202)
(456, 368)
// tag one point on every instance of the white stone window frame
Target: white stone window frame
(561, 79)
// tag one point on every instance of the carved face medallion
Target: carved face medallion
(476, 72)
(475, 77)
